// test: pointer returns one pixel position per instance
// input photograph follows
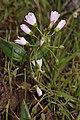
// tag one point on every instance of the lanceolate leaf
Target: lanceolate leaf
(13, 51)
(25, 112)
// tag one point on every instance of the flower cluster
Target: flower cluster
(45, 37)
(53, 18)
(39, 62)
(31, 19)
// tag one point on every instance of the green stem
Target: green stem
(53, 47)
(9, 71)
(39, 30)
(25, 83)
(7, 108)
(52, 34)
(11, 59)
(35, 37)
(10, 79)
(33, 45)
(30, 60)
(51, 52)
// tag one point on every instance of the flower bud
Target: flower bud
(33, 62)
(60, 25)
(39, 62)
(75, 14)
(39, 91)
(41, 42)
(26, 29)
(62, 47)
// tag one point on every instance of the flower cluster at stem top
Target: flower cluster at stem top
(31, 19)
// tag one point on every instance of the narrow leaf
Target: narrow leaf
(25, 115)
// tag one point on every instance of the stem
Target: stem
(50, 52)
(10, 79)
(52, 33)
(25, 83)
(39, 30)
(30, 61)
(35, 37)
(33, 45)
(7, 108)
(11, 59)
(48, 32)
(53, 47)
(9, 71)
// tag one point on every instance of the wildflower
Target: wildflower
(62, 47)
(31, 19)
(54, 16)
(75, 14)
(33, 62)
(26, 29)
(41, 42)
(39, 91)
(21, 41)
(39, 62)
(60, 25)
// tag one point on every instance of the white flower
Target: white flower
(33, 62)
(39, 62)
(54, 16)
(41, 42)
(75, 14)
(39, 91)
(21, 41)
(25, 28)
(60, 25)
(30, 18)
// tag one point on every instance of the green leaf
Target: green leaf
(13, 51)
(25, 115)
